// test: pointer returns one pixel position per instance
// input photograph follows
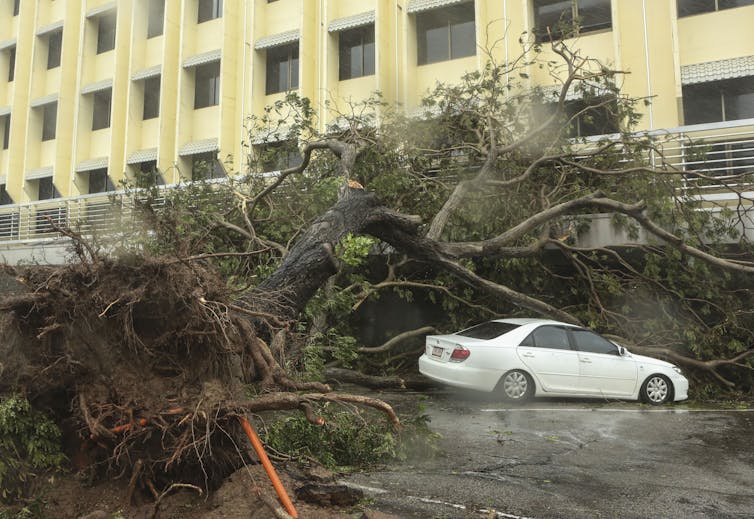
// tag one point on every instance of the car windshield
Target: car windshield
(488, 330)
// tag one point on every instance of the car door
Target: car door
(602, 370)
(547, 353)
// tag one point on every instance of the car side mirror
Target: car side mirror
(621, 351)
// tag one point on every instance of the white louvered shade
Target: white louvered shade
(146, 73)
(91, 164)
(38, 173)
(351, 22)
(4, 110)
(201, 59)
(3, 179)
(417, 6)
(97, 86)
(276, 40)
(47, 29)
(196, 147)
(717, 70)
(7, 44)
(139, 156)
(102, 9)
(45, 100)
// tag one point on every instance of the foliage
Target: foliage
(29, 442)
(415, 164)
(349, 438)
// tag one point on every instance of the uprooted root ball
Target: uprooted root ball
(143, 362)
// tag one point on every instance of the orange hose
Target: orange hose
(254, 439)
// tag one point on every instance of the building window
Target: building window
(596, 117)
(46, 189)
(101, 104)
(209, 10)
(49, 121)
(155, 18)
(725, 100)
(11, 63)
(16, 6)
(54, 47)
(444, 34)
(148, 175)
(5, 198)
(282, 68)
(356, 52)
(205, 166)
(151, 97)
(563, 18)
(99, 181)
(692, 7)
(277, 156)
(207, 85)
(106, 32)
(6, 131)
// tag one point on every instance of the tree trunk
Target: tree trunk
(312, 259)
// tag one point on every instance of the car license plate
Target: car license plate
(436, 351)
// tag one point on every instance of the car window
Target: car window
(591, 342)
(548, 337)
(489, 330)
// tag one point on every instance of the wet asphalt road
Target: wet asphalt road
(565, 458)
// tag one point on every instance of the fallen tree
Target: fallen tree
(148, 357)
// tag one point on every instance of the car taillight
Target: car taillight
(459, 354)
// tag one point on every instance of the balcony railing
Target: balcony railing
(87, 214)
(720, 151)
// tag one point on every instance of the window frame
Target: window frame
(49, 121)
(54, 58)
(290, 55)
(541, 34)
(530, 340)
(105, 182)
(5, 198)
(11, 64)
(208, 10)
(211, 164)
(572, 332)
(155, 29)
(151, 98)
(107, 25)
(102, 122)
(689, 10)
(204, 74)
(430, 20)
(366, 45)
(53, 191)
(6, 132)
(725, 90)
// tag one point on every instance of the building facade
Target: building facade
(93, 91)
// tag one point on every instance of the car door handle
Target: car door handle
(586, 361)
(527, 354)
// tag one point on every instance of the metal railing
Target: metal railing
(104, 214)
(723, 152)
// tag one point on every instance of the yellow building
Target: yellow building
(93, 90)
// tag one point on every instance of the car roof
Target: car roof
(533, 320)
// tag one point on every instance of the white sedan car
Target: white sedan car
(521, 358)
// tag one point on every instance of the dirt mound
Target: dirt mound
(244, 494)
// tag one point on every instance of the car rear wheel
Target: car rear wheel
(656, 390)
(516, 386)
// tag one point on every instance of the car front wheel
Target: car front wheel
(656, 390)
(516, 386)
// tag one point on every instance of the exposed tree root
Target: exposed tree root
(158, 362)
